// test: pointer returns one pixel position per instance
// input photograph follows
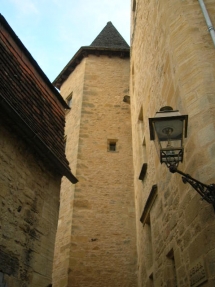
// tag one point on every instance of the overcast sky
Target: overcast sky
(54, 30)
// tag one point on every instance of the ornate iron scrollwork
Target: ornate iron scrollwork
(207, 192)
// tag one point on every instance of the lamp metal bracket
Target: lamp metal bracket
(207, 192)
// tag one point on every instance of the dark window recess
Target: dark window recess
(69, 100)
(172, 280)
(149, 203)
(2, 282)
(143, 171)
(112, 146)
(134, 6)
(64, 142)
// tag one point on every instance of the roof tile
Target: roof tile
(109, 37)
(32, 100)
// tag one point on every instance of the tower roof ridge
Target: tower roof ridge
(109, 37)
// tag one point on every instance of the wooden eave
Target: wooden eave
(34, 140)
(84, 52)
(18, 42)
(31, 109)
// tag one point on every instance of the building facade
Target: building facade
(173, 64)
(32, 162)
(128, 221)
(96, 238)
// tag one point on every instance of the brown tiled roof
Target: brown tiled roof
(35, 106)
(108, 42)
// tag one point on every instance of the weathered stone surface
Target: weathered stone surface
(172, 64)
(99, 224)
(27, 233)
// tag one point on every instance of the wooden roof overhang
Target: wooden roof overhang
(35, 112)
(18, 123)
(84, 52)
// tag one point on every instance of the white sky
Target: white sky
(54, 30)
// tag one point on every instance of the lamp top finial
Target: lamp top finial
(166, 108)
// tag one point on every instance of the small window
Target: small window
(140, 118)
(69, 100)
(134, 6)
(172, 280)
(112, 145)
(64, 142)
(151, 280)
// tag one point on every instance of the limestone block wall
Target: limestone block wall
(172, 63)
(29, 202)
(102, 250)
(73, 87)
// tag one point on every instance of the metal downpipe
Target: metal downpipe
(208, 20)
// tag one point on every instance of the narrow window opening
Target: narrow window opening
(148, 234)
(142, 142)
(171, 269)
(64, 142)
(112, 145)
(144, 149)
(151, 280)
(134, 6)
(133, 78)
(141, 125)
(2, 281)
(69, 100)
(141, 114)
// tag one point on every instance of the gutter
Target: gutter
(208, 20)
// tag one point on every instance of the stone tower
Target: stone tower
(96, 238)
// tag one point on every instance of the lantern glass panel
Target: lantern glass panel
(169, 134)
(169, 129)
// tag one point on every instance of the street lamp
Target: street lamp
(168, 129)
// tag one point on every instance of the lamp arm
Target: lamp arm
(207, 192)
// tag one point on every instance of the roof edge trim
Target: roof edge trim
(37, 142)
(19, 43)
(82, 53)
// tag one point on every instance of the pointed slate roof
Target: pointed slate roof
(109, 37)
(109, 42)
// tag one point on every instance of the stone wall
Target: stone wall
(29, 203)
(172, 64)
(102, 249)
(74, 85)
